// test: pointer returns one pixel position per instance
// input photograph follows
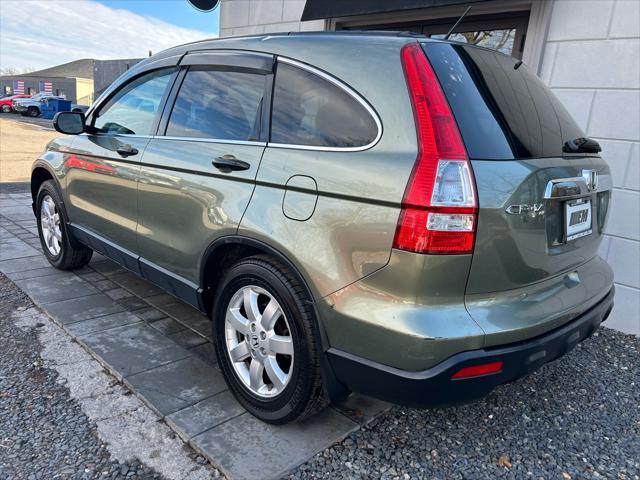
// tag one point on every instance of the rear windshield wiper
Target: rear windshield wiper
(581, 145)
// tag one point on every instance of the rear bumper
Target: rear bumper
(434, 386)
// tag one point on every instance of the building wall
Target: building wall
(84, 91)
(590, 57)
(66, 84)
(250, 17)
(106, 71)
(591, 60)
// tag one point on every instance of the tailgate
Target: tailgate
(543, 194)
(541, 209)
(525, 232)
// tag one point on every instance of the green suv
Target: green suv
(411, 219)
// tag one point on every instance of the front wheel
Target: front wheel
(266, 341)
(33, 112)
(6, 109)
(60, 249)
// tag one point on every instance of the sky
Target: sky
(38, 34)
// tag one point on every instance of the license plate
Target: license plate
(577, 219)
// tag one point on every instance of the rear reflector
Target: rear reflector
(439, 207)
(478, 370)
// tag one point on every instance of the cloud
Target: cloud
(40, 34)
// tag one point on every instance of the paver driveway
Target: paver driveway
(575, 418)
(161, 349)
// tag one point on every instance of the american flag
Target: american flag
(18, 87)
(45, 86)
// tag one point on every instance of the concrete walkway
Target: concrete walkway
(161, 349)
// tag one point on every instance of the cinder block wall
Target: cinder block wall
(250, 17)
(591, 61)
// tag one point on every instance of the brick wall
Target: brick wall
(250, 17)
(591, 61)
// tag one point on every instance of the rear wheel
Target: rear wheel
(6, 109)
(266, 342)
(59, 247)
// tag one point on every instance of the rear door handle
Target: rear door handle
(228, 163)
(126, 150)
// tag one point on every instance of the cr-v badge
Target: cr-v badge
(533, 211)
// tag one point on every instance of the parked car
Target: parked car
(32, 107)
(420, 236)
(79, 108)
(6, 103)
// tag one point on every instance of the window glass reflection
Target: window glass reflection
(134, 108)
(218, 105)
(500, 40)
(308, 110)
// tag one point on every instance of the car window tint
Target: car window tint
(309, 110)
(134, 108)
(503, 110)
(218, 104)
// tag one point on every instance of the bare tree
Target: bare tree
(495, 39)
(16, 71)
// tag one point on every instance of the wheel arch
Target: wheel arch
(229, 249)
(226, 251)
(40, 173)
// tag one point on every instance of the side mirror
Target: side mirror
(70, 123)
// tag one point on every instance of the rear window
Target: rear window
(502, 112)
(311, 111)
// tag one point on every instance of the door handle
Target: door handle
(228, 163)
(126, 150)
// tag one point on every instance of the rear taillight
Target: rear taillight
(439, 208)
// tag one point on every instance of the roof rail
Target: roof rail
(379, 33)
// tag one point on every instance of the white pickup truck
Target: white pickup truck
(32, 106)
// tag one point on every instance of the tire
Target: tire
(59, 247)
(301, 394)
(33, 112)
(6, 108)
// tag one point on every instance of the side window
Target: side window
(133, 109)
(222, 105)
(309, 110)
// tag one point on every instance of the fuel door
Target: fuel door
(300, 198)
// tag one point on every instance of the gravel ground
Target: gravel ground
(576, 418)
(43, 432)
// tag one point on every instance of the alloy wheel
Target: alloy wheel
(50, 225)
(259, 341)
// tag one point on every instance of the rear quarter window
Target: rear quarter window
(309, 110)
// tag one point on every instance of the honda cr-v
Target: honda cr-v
(412, 219)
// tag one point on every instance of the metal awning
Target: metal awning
(320, 9)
